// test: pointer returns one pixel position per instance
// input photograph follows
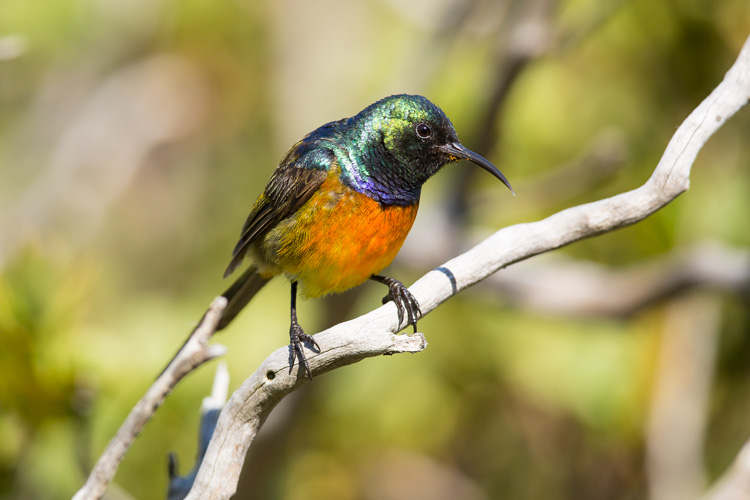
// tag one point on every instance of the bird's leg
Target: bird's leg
(402, 297)
(297, 336)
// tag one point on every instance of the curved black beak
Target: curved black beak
(458, 151)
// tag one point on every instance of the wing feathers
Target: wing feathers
(289, 189)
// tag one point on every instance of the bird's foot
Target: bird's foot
(297, 337)
(406, 303)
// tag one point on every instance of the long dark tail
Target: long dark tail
(240, 293)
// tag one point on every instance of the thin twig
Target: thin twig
(193, 353)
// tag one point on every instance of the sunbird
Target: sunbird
(339, 206)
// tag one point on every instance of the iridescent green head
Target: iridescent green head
(394, 145)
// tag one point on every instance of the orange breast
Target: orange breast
(337, 240)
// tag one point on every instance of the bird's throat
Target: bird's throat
(377, 174)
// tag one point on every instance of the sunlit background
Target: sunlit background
(135, 135)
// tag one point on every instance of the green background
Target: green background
(134, 137)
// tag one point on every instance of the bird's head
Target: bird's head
(415, 138)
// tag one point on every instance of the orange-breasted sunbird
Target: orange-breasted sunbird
(340, 204)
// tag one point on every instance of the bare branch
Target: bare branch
(529, 38)
(367, 336)
(193, 353)
(372, 334)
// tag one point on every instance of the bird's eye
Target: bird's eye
(423, 130)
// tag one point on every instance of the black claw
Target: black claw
(405, 302)
(297, 337)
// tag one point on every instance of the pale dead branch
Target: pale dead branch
(349, 342)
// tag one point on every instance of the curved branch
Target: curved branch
(372, 334)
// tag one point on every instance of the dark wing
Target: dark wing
(294, 181)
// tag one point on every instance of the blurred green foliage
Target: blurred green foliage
(108, 257)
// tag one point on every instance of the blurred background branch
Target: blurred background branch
(179, 486)
(121, 124)
(573, 288)
(677, 421)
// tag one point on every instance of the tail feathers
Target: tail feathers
(240, 293)
(237, 259)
